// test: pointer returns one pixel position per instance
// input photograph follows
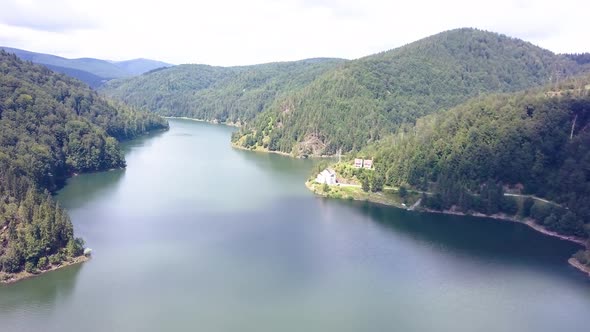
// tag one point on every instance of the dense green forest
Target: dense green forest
(366, 99)
(224, 94)
(51, 126)
(534, 143)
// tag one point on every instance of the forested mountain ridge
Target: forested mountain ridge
(366, 99)
(93, 72)
(51, 126)
(535, 143)
(224, 94)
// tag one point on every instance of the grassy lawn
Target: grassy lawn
(388, 196)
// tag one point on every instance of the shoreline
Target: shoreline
(23, 275)
(263, 150)
(528, 222)
(575, 263)
(239, 147)
(229, 124)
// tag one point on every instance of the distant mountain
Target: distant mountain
(94, 72)
(92, 80)
(225, 94)
(100, 68)
(366, 99)
(139, 66)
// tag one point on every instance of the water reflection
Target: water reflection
(89, 187)
(481, 239)
(45, 291)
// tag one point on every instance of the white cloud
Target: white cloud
(65, 15)
(233, 32)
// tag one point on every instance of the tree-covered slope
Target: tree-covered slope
(92, 80)
(366, 99)
(535, 143)
(51, 126)
(225, 94)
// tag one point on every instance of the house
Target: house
(327, 176)
(368, 163)
(358, 163)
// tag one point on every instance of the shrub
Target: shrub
(551, 221)
(509, 205)
(42, 263)
(403, 192)
(11, 262)
(583, 257)
(527, 204)
(30, 267)
(55, 259)
(540, 211)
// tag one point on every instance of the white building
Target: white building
(358, 163)
(363, 163)
(327, 176)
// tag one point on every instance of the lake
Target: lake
(197, 236)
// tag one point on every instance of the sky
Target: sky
(242, 32)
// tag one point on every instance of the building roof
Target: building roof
(328, 172)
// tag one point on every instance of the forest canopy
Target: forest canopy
(534, 143)
(222, 94)
(367, 99)
(51, 126)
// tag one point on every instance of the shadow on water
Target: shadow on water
(145, 140)
(42, 291)
(279, 163)
(477, 238)
(88, 188)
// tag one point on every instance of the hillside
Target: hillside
(534, 143)
(366, 99)
(51, 126)
(225, 94)
(93, 72)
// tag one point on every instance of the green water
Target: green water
(197, 236)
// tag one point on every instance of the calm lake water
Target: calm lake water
(197, 236)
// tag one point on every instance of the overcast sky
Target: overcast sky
(239, 32)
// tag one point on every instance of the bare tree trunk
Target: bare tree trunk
(573, 127)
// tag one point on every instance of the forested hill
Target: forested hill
(535, 142)
(51, 126)
(366, 99)
(225, 94)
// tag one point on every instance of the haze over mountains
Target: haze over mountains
(93, 72)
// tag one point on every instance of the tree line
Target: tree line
(51, 126)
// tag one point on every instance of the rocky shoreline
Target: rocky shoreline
(575, 263)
